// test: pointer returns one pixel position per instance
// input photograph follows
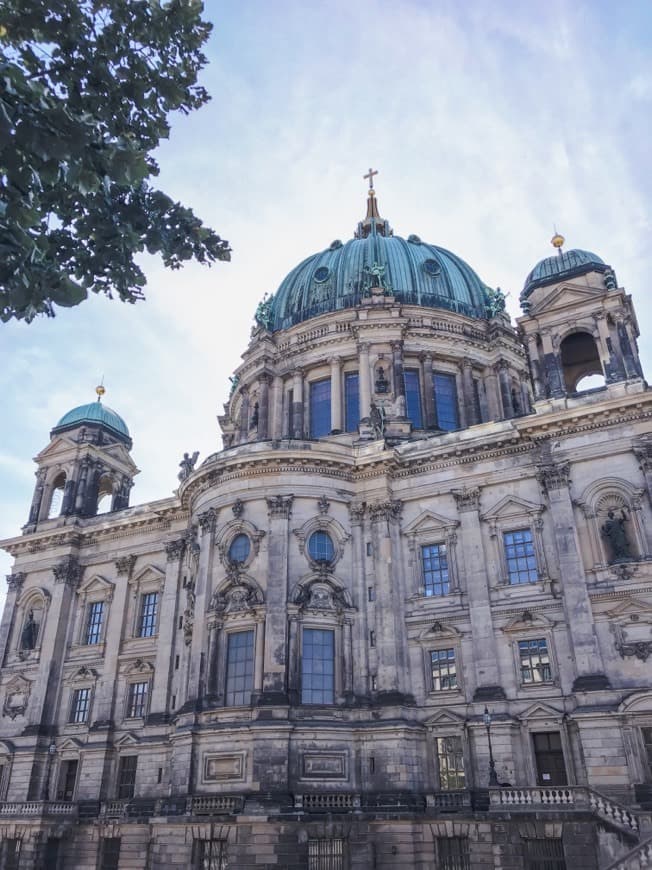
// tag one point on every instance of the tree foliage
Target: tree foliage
(86, 88)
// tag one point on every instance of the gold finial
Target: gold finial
(557, 241)
(100, 390)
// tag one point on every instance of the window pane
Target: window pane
(210, 855)
(445, 391)
(451, 763)
(148, 612)
(320, 408)
(320, 547)
(534, 661)
(94, 625)
(413, 397)
(520, 556)
(647, 740)
(79, 707)
(239, 549)
(127, 776)
(326, 854)
(137, 700)
(351, 401)
(318, 667)
(444, 674)
(453, 853)
(435, 569)
(545, 854)
(239, 668)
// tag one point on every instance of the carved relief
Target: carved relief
(175, 549)
(16, 697)
(554, 476)
(280, 505)
(207, 520)
(467, 499)
(125, 565)
(68, 571)
(385, 510)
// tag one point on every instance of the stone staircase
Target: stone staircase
(638, 858)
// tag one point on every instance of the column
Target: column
(276, 408)
(491, 392)
(551, 365)
(263, 408)
(274, 690)
(365, 380)
(603, 341)
(14, 585)
(259, 660)
(297, 404)
(397, 368)
(167, 623)
(37, 498)
(389, 605)
(428, 392)
(468, 402)
(555, 480)
(244, 414)
(198, 643)
(474, 560)
(505, 389)
(336, 395)
(535, 365)
(359, 578)
(462, 399)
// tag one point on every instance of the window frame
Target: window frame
(114, 862)
(452, 379)
(312, 385)
(62, 776)
(447, 582)
(431, 685)
(126, 784)
(73, 709)
(199, 858)
(349, 426)
(416, 371)
(531, 638)
(324, 628)
(506, 558)
(88, 622)
(233, 632)
(463, 754)
(513, 514)
(327, 860)
(141, 615)
(131, 697)
(461, 861)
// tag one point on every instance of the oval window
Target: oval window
(432, 268)
(321, 274)
(239, 549)
(320, 547)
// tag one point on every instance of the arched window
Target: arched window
(105, 495)
(56, 498)
(579, 358)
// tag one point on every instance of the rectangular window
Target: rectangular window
(435, 569)
(450, 760)
(10, 853)
(79, 708)
(413, 397)
(137, 700)
(445, 391)
(127, 776)
(148, 611)
(318, 667)
(520, 557)
(453, 853)
(444, 673)
(210, 855)
(94, 622)
(239, 668)
(320, 408)
(546, 854)
(549, 757)
(534, 661)
(326, 853)
(351, 401)
(109, 853)
(647, 742)
(67, 780)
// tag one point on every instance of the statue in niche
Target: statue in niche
(254, 417)
(377, 420)
(30, 633)
(382, 384)
(187, 465)
(613, 531)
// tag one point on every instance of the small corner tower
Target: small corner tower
(577, 322)
(86, 468)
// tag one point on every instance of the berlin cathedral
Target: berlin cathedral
(403, 618)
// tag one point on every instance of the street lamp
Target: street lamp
(493, 778)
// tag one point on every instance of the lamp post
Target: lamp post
(493, 778)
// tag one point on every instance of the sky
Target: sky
(490, 123)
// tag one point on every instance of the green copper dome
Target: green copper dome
(568, 264)
(409, 270)
(95, 413)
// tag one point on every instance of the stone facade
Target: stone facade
(290, 663)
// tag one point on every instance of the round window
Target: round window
(321, 274)
(431, 267)
(239, 549)
(320, 547)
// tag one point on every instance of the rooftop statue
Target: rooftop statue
(375, 277)
(495, 301)
(187, 465)
(263, 315)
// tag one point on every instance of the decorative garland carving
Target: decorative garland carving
(16, 697)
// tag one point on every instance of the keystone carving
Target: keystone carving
(238, 508)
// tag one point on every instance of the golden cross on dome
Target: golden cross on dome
(370, 176)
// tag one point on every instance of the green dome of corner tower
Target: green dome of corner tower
(94, 414)
(411, 271)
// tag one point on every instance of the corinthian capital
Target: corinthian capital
(280, 505)
(467, 499)
(553, 476)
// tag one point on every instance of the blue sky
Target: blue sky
(489, 123)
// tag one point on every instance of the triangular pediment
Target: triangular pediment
(429, 521)
(70, 744)
(540, 711)
(59, 444)
(445, 718)
(631, 607)
(128, 739)
(568, 296)
(512, 506)
(439, 631)
(97, 585)
(148, 572)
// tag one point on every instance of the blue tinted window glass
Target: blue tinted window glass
(320, 547)
(413, 397)
(435, 569)
(352, 401)
(240, 668)
(446, 401)
(239, 549)
(94, 624)
(320, 408)
(148, 610)
(318, 667)
(520, 557)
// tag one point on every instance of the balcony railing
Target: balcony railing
(38, 808)
(640, 857)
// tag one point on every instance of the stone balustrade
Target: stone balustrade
(639, 858)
